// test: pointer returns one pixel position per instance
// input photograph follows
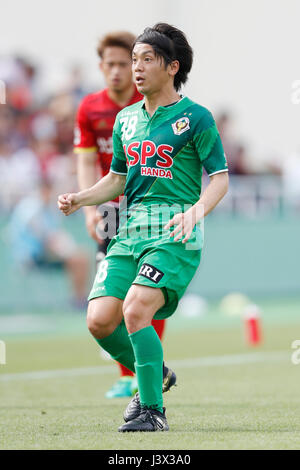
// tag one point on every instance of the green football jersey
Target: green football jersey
(163, 155)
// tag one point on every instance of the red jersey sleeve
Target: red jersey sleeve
(84, 137)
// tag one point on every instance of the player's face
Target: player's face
(116, 68)
(149, 71)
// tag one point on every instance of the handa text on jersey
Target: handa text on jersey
(158, 172)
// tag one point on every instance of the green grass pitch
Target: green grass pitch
(229, 396)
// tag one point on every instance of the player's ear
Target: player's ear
(101, 66)
(174, 67)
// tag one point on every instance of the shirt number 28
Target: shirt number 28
(128, 127)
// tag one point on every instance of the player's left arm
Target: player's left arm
(186, 221)
(215, 191)
(209, 147)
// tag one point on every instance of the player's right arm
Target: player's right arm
(108, 188)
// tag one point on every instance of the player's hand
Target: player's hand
(92, 219)
(184, 223)
(68, 203)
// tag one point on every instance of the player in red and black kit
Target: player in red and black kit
(93, 146)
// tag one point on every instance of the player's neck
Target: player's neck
(121, 97)
(162, 97)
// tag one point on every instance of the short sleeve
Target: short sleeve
(84, 137)
(208, 145)
(118, 164)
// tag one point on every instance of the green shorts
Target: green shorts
(159, 262)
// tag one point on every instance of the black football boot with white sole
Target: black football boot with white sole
(133, 409)
(149, 420)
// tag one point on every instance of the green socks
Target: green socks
(119, 346)
(140, 352)
(148, 353)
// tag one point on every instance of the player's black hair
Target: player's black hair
(170, 44)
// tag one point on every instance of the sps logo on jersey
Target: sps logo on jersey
(139, 152)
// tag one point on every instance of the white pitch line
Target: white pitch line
(209, 361)
(230, 359)
(57, 373)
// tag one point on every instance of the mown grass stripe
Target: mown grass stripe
(209, 361)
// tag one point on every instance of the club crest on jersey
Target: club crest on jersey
(181, 125)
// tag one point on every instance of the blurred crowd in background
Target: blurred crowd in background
(36, 164)
(36, 132)
(36, 135)
(36, 143)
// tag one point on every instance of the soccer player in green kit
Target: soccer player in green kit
(160, 146)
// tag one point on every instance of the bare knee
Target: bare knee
(137, 315)
(103, 317)
(140, 306)
(98, 325)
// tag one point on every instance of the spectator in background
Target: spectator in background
(62, 110)
(19, 168)
(75, 86)
(234, 150)
(19, 75)
(38, 241)
(12, 132)
(291, 178)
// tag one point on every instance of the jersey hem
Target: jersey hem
(107, 293)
